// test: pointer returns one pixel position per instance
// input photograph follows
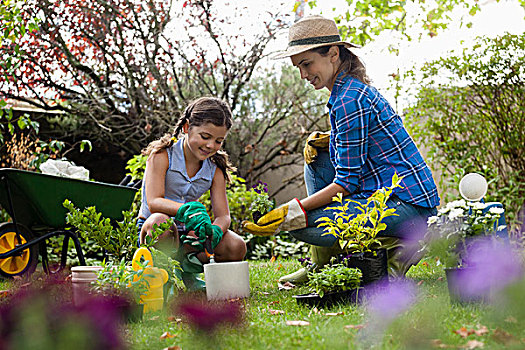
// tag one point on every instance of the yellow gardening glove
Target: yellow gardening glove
(316, 140)
(289, 216)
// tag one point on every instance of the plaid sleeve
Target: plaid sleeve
(350, 119)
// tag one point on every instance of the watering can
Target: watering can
(473, 187)
(153, 299)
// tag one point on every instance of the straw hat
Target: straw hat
(309, 33)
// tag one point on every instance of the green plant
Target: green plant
(456, 225)
(469, 115)
(240, 200)
(120, 279)
(280, 245)
(334, 277)
(118, 240)
(136, 166)
(356, 232)
(261, 202)
(172, 267)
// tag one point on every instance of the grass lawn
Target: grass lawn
(432, 322)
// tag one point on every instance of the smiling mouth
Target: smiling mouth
(313, 80)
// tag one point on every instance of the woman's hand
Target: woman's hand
(288, 217)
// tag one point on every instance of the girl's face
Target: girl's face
(204, 141)
(319, 70)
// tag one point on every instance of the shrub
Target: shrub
(470, 115)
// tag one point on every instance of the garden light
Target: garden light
(473, 187)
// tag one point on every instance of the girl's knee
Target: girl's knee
(151, 221)
(231, 248)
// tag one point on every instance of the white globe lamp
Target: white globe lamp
(473, 187)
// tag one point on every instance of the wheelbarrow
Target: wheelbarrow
(34, 202)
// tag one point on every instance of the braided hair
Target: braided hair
(199, 112)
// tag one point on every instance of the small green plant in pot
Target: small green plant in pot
(332, 284)
(121, 281)
(261, 203)
(357, 231)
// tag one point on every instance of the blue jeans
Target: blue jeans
(411, 222)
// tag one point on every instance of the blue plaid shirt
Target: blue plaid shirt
(368, 143)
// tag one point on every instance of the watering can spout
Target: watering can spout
(153, 299)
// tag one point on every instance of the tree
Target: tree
(120, 73)
(470, 113)
(12, 27)
(364, 20)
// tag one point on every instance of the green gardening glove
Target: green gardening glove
(197, 243)
(213, 231)
(193, 215)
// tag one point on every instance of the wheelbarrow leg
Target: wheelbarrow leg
(78, 248)
(43, 254)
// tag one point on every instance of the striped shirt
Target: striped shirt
(368, 143)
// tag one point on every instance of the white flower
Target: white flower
(431, 220)
(455, 213)
(457, 204)
(496, 210)
(477, 205)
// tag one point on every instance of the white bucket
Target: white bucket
(81, 278)
(227, 280)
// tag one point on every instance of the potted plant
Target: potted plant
(261, 203)
(118, 281)
(335, 283)
(357, 231)
(453, 232)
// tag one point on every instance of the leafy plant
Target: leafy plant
(162, 260)
(120, 279)
(261, 202)
(136, 167)
(280, 245)
(456, 225)
(334, 277)
(357, 231)
(118, 241)
(469, 116)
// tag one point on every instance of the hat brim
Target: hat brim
(294, 50)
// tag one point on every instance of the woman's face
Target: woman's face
(204, 141)
(319, 70)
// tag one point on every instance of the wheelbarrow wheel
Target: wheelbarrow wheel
(17, 264)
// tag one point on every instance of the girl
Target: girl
(178, 173)
(367, 144)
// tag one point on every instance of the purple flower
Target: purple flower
(46, 306)
(260, 187)
(206, 316)
(387, 300)
(384, 302)
(492, 265)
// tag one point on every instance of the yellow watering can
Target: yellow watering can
(156, 277)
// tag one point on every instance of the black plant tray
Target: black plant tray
(352, 296)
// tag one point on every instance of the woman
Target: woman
(367, 145)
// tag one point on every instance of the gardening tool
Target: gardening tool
(153, 299)
(225, 280)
